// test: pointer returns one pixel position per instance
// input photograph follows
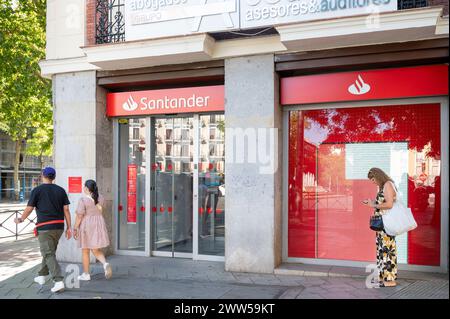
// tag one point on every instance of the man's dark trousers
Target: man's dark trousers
(48, 243)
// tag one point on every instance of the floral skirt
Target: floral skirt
(386, 257)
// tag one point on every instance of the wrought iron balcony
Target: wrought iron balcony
(110, 20)
(409, 4)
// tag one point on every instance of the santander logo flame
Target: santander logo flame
(359, 87)
(130, 104)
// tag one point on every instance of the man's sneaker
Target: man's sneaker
(108, 270)
(84, 277)
(40, 280)
(58, 287)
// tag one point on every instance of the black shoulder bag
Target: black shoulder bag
(376, 223)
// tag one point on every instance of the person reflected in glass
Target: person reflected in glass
(385, 244)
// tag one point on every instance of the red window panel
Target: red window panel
(333, 224)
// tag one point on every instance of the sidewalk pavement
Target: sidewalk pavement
(18, 256)
(159, 277)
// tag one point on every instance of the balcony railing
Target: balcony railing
(409, 4)
(110, 20)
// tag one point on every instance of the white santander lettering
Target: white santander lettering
(167, 102)
(144, 105)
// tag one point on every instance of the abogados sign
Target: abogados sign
(147, 19)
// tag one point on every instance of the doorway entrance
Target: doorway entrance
(172, 186)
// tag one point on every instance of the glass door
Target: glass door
(172, 185)
(187, 183)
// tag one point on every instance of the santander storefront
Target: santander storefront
(170, 175)
(342, 124)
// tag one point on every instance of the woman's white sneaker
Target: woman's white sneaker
(108, 270)
(84, 277)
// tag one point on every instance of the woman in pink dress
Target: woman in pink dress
(90, 229)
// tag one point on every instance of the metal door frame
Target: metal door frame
(150, 122)
(149, 234)
(444, 235)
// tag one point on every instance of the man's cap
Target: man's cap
(49, 172)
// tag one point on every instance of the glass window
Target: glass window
(211, 191)
(330, 153)
(132, 166)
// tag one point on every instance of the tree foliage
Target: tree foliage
(25, 97)
(24, 94)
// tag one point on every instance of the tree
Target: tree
(41, 144)
(25, 107)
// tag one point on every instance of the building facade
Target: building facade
(287, 103)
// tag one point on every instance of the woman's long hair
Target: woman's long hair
(92, 186)
(380, 176)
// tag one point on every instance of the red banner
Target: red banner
(170, 101)
(131, 193)
(75, 184)
(366, 85)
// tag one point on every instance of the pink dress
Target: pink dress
(93, 232)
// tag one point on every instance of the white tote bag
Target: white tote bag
(399, 219)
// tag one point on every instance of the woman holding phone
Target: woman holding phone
(386, 246)
(90, 229)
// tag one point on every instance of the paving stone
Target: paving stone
(290, 282)
(159, 277)
(315, 290)
(292, 293)
(9, 297)
(25, 293)
(265, 280)
(82, 295)
(336, 295)
(4, 291)
(314, 281)
(338, 287)
(242, 278)
(12, 285)
(305, 295)
(252, 293)
(433, 289)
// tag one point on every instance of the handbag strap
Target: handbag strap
(395, 190)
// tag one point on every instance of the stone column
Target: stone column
(82, 143)
(104, 162)
(253, 190)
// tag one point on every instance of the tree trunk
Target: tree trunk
(41, 161)
(16, 170)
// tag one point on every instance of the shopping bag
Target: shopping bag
(398, 220)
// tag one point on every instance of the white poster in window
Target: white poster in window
(392, 158)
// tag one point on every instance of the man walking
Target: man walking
(52, 206)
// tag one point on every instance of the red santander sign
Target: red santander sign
(403, 82)
(169, 101)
